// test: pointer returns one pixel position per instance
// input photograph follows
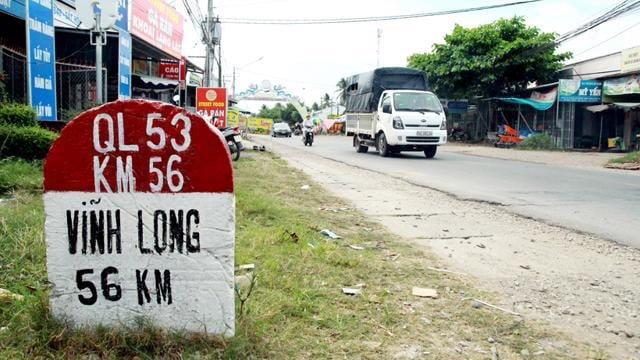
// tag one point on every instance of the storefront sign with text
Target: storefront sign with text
(211, 103)
(580, 91)
(140, 219)
(159, 24)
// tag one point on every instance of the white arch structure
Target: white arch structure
(275, 93)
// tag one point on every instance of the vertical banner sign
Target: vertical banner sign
(211, 103)
(124, 65)
(41, 58)
(123, 16)
(140, 219)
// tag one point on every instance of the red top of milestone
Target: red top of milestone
(161, 147)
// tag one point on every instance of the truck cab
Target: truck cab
(409, 120)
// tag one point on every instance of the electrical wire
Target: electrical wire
(249, 21)
(609, 39)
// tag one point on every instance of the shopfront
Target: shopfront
(623, 95)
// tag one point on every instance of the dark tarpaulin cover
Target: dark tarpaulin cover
(363, 91)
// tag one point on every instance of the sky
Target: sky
(308, 60)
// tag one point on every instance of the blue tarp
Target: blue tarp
(542, 106)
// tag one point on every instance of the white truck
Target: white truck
(392, 110)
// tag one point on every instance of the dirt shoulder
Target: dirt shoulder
(593, 160)
(583, 285)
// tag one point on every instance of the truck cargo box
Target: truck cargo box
(363, 91)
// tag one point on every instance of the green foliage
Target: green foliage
(315, 106)
(278, 113)
(18, 174)
(492, 59)
(632, 157)
(25, 142)
(70, 114)
(342, 90)
(17, 114)
(537, 142)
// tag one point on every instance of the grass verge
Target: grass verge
(18, 174)
(297, 309)
(630, 158)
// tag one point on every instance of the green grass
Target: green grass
(18, 174)
(632, 157)
(297, 309)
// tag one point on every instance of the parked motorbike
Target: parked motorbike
(307, 136)
(459, 135)
(234, 141)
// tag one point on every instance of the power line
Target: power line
(611, 38)
(618, 10)
(367, 19)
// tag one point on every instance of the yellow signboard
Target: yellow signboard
(630, 60)
(260, 123)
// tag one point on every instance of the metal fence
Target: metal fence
(75, 84)
(14, 75)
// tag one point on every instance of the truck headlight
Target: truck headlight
(443, 126)
(397, 123)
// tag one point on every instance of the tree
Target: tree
(342, 90)
(326, 101)
(287, 113)
(315, 106)
(492, 59)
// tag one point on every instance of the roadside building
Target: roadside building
(142, 56)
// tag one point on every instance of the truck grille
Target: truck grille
(422, 126)
(423, 139)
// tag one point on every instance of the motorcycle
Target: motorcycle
(459, 135)
(234, 141)
(307, 136)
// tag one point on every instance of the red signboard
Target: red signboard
(211, 103)
(159, 24)
(170, 71)
(140, 219)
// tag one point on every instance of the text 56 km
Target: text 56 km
(109, 136)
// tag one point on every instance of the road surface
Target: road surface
(600, 202)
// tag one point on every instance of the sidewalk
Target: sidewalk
(560, 158)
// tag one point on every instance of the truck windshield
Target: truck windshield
(409, 101)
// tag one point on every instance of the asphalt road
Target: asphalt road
(606, 204)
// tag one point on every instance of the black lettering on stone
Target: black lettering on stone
(72, 231)
(157, 215)
(176, 230)
(97, 231)
(114, 232)
(143, 291)
(193, 239)
(84, 233)
(143, 250)
(163, 289)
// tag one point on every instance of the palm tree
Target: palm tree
(326, 101)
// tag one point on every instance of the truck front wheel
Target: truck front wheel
(383, 147)
(359, 147)
(430, 152)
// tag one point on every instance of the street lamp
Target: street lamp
(241, 67)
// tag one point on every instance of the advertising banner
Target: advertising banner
(65, 16)
(630, 60)
(260, 123)
(42, 59)
(124, 66)
(159, 24)
(622, 86)
(580, 91)
(211, 103)
(13, 7)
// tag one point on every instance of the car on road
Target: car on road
(281, 129)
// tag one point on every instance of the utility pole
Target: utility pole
(211, 58)
(233, 84)
(219, 60)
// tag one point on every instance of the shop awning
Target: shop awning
(157, 81)
(542, 106)
(598, 108)
(626, 106)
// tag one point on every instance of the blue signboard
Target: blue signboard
(580, 91)
(42, 59)
(124, 65)
(123, 15)
(13, 7)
